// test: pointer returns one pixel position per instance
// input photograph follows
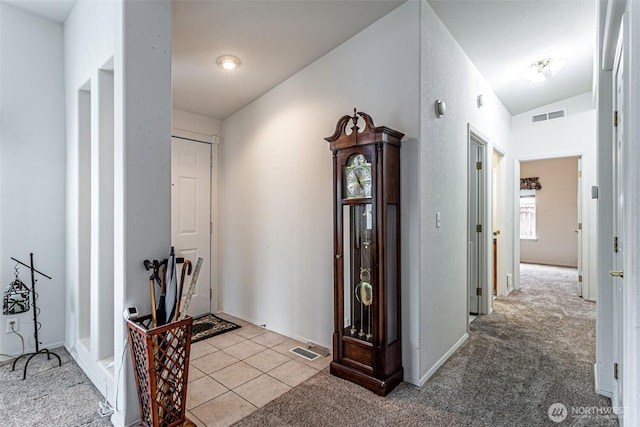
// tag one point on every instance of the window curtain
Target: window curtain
(530, 183)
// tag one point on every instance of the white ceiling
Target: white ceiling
(56, 10)
(274, 39)
(503, 37)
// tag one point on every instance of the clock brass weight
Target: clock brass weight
(367, 345)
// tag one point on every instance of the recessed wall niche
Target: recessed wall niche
(84, 216)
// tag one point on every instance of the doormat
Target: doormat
(208, 326)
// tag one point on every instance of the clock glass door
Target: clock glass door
(357, 278)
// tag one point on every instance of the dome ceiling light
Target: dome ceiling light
(543, 70)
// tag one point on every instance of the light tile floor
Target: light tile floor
(233, 374)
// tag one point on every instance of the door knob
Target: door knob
(617, 273)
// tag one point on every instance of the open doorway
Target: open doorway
(550, 214)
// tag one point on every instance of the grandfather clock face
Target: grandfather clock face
(357, 177)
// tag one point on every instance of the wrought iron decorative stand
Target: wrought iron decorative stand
(35, 321)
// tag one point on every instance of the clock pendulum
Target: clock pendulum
(363, 290)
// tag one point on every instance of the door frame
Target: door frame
(214, 141)
(619, 171)
(583, 249)
(497, 187)
(485, 302)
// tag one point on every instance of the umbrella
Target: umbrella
(159, 269)
(171, 288)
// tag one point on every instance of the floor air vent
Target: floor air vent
(303, 352)
(548, 116)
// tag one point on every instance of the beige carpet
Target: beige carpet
(50, 396)
(537, 349)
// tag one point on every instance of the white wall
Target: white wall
(611, 15)
(631, 297)
(574, 135)
(277, 211)
(604, 252)
(190, 122)
(276, 253)
(556, 242)
(439, 262)
(134, 40)
(32, 159)
(89, 47)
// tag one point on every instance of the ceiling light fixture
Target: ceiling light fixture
(543, 70)
(228, 62)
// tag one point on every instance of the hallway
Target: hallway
(536, 349)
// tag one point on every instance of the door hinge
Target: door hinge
(210, 294)
(579, 226)
(478, 165)
(579, 174)
(211, 228)
(615, 371)
(615, 119)
(479, 292)
(580, 278)
(615, 244)
(479, 228)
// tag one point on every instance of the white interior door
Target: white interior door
(618, 229)
(476, 247)
(191, 214)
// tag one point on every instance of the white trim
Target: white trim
(600, 391)
(615, 10)
(558, 155)
(441, 361)
(587, 213)
(214, 302)
(185, 134)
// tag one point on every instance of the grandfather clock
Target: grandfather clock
(367, 345)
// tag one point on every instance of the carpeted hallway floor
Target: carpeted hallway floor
(50, 396)
(537, 349)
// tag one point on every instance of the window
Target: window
(528, 216)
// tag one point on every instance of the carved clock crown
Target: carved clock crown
(340, 139)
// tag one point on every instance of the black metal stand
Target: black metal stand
(35, 322)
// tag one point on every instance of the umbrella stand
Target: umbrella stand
(35, 321)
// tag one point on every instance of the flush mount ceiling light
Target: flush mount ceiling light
(543, 70)
(228, 62)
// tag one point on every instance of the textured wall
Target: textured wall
(32, 147)
(277, 210)
(448, 74)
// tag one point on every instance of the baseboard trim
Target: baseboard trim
(599, 390)
(443, 359)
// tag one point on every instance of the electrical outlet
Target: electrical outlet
(12, 321)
